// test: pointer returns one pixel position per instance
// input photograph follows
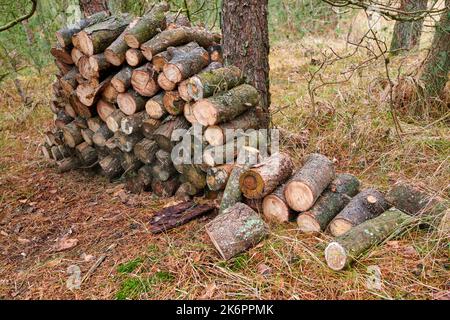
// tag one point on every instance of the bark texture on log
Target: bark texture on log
(122, 80)
(145, 150)
(236, 230)
(308, 183)
(72, 135)
(344, 249)
(115, 53)
(366, 205)
(165, 189)
(163, 134)
(329, 204)
(183, 66)
(111, 166)
(245, 22)
(232, 193)
(217, 177)
(133, 123)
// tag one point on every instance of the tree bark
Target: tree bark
(133, 123)
(122, 80)
(163, 134)
(236, 230)
(111, 166)
(145, 150)
(232, 193)
(91, 7)
(217, 177)
(245, 44)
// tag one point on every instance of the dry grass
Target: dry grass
(351, 124)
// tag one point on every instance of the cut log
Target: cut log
(213, 82)
(149, 126)
(62, 119)
(217, 135)
(263, 178)
(236, 230)
(69, 164)
(131, 102)
(215, 53)
(122, 80)
(72, 135)
(76, 55)
(177, 37)
(63, 68)
(130, 163)
(52, 153)
(329, 204)
(105, 109)
(87, 136)
(142, 182)
(89, 94)
(145, 150)
(61, 54)
(99, 66)
(189, 113)
(102, 135)
(183, 66)
(163, 134)
(226, 106)
(217, 177)
(232, 193)
(182, 91)
(64, 36)
(165, 84)
(194, 175)
(173, 103)
(165, 189)
(111, 166)
(110, 93)
(366, 205)
(134, 57)
(344, 249)
(69, 82)
(275, 207)
(308, 183)
(94, 123)
(69, 109)
(132, 124)
(227, 153)
(177, 215)
(86, 153)
(186, 190)
(155, 107)
(114, 120)
(160, 60)
(144, 80)
(147, 26)
(64, 150)
(126, 142)
(163, 172)
(116, 51)
(96, 38)
(80, 122)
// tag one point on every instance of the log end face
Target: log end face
(299, 196)
(131, 41)
(274, 209)
(307, 224)
(113, 58)
(112, 124)
(339, 226)
(172, 73)
(335, 256)
(214, 136)
(252, 184)
(205, 113)
(85, 43)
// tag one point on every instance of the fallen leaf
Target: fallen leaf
(65, 244)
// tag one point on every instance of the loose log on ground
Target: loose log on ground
(232, 193)
(216, 135)
(165, 189)
(217, 177)
(86, 153)
(134, 57)
(177, 215)
(263, 178)
(329, 204)
(96, 38)
(366, 205)
(275, 207)
(122, 80)
(178, 37)
(149, 126)
(144, 80)
(344, 249)
(133, 123)
(155, 107)
(131, 102)
(105, 109)
(309, 182)
(173, 103)
(163, 134)
(114, 120)
(236, 230)
(111, 166)
(226, 106)
(72, 135)
(213, 82)
(147, 26)
(183, 66)
(145, 150)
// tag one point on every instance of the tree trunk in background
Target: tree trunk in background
(407, 33)
(246, 45)
(89, 7)
(437, 64)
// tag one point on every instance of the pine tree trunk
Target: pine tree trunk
(245, 44)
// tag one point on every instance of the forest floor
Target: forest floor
(42, 211)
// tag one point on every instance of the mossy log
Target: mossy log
(155, 107)
(96, 38)
(226, 106)
(275, 207)
(64, 35)
(263, 178)
(214, 82)
(330, 203)
(122, 80)
(366, 205)
(112, 166)
(163, 134)
(147, 26)
(134, 57)
(344, 249)
(114, 120)
(145, 150)
(232, 193)
(105, 109)
(115, 52)
(217, 135)
(144, 80)
(177, 37)
(308, 183)
(236, 230)
(217, 177)
(173, 103)
(183, 66)
(133, 123)
(131, 102)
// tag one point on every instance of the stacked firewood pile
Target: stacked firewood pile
(126, 85)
